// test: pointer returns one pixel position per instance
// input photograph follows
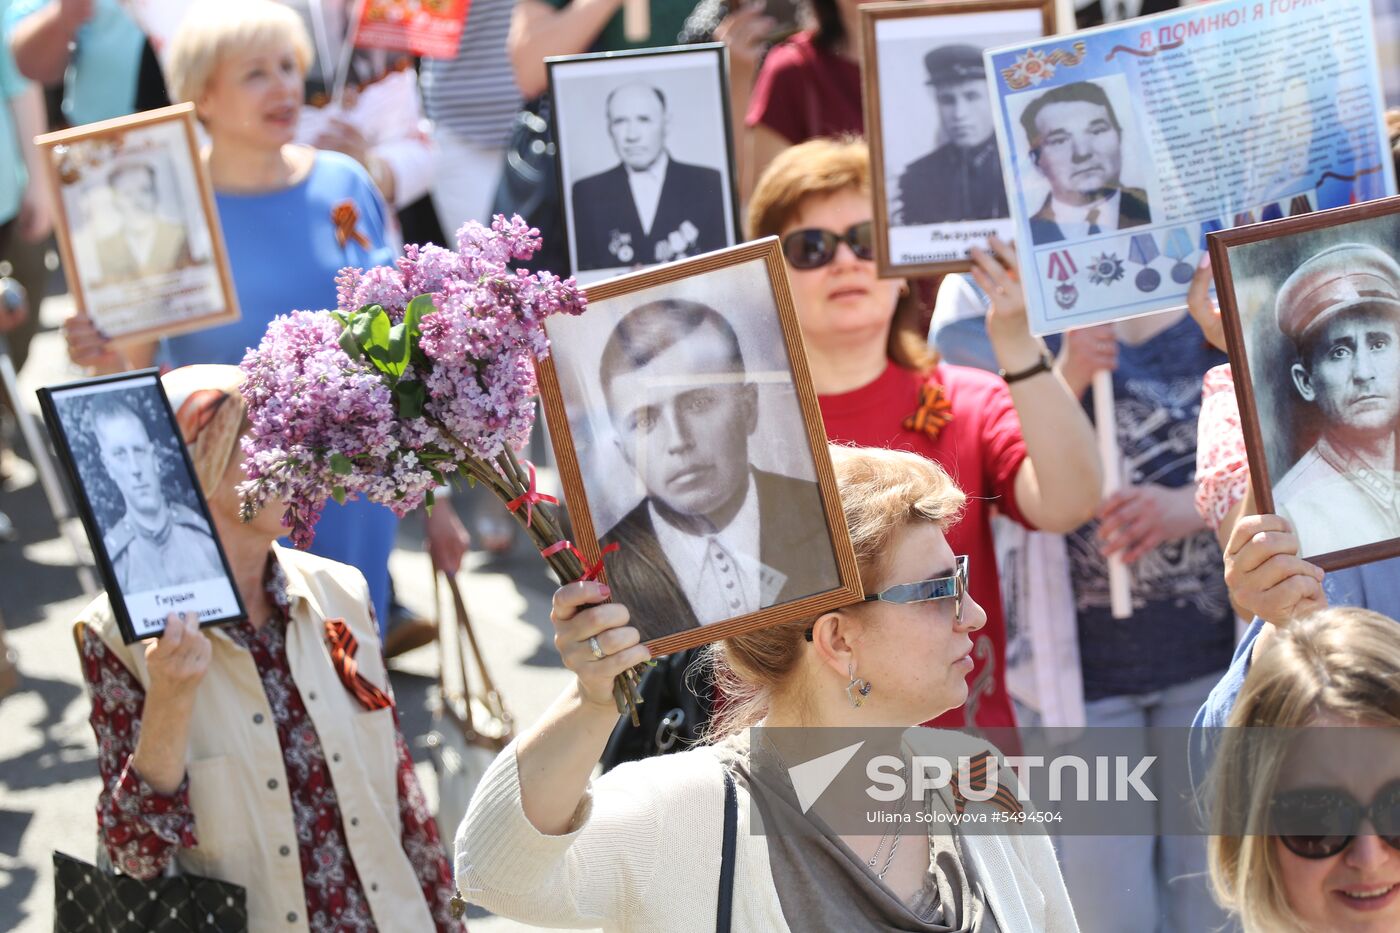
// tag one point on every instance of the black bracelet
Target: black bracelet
(1045, 364)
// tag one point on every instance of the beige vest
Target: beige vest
(238, 781)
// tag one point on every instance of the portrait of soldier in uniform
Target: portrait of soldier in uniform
(145, 243)
(650, 207)
(157, 543)
(1076, 145)
(714, 537)
(1341, 310)
(961, 179)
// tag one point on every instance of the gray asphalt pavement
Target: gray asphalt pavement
(48, 766)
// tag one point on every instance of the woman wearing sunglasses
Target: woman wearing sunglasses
(641, 848)
(1307, 814)
(1018, 442)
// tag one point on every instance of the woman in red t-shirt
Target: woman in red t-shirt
(1019, 441)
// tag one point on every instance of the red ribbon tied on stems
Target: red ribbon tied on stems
(530, 499)
(346, 217)
(343, 645)
(590, 571)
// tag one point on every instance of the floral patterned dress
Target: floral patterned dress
(142, 829)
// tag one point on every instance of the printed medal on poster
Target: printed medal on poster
(1123, 146)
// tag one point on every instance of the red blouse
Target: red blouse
(803, 92)
(981, 449)
(142, 828)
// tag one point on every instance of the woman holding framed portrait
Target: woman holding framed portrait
(265, 751)
(292, 218)
(649, 844)
(1021, 441)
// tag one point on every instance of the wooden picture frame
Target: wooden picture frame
(948, 237)
(139, 282)
(714, 385)
(697, 209)
(1287, 436)
(124, 451)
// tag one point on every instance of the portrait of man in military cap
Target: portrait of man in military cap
(961, 179)
(1340, 310)
(157, 542)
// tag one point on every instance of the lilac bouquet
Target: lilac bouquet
(423, 375)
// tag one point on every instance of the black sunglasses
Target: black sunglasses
(813, 247)
(953, 586)
(1320, 822)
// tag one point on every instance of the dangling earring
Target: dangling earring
(857, 690)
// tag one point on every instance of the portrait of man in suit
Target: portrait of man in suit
(1341, 310)
(650, 207)
(1076, 144)
(961, 179)
(713, 537)
(157, 543)
(145, 243)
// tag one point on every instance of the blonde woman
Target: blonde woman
(640, 848)
(1307, 814)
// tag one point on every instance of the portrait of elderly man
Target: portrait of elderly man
(1076, 144)
(1341, 309)
(714, 537)
(961, 179)
(156, 543)
(145, 243)
(650, 207)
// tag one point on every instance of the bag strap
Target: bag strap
(489, 696)
(726, 862)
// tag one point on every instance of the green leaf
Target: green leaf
(428, 501)
(338, 494)
(349, 344)
(418, 309)
(371, 329)
(341, 465)
(399, 347)
(437, 477)
(411, 396)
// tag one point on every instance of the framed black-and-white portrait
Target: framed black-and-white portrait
(137, 227)
(140, 502)
(1311, 306)
(646, 156)
(930, 117)
(692, 451)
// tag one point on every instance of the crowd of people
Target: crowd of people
(240, 752)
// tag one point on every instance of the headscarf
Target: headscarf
(210, 410)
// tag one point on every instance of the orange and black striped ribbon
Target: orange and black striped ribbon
(978, 768)
(934, 411)
(343, 646)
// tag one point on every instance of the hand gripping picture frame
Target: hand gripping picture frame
(692, 452)
(646, 156)
(138, 495)
(1311, 307)
(931, 121)
(137, 226)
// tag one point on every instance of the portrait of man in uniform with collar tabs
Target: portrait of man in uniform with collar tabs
(1341, 310)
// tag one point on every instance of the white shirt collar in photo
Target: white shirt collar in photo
(141, 240)
(721, 574)
(646, 189)
(1073, 220)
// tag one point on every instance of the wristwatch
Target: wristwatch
(1044, 365)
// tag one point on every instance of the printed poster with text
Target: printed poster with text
(430, 28)
(1123, 146)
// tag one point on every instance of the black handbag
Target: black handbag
(88, 899)
(675, 709)
(529, 185)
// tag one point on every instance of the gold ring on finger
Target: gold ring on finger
(596, 648)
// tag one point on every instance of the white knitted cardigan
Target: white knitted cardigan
(644, 855)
